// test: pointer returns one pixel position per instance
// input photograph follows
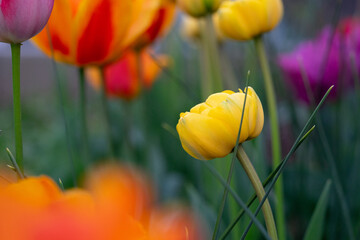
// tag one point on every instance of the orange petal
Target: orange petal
(119, 191)
(59, 26)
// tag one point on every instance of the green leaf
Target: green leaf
(315, 228)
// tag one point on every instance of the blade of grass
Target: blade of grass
(221, 209)
(292, 150)
(170, 129)
(265, 183)
(61, 184)
(237, 199)
(107, 115)
(16, 166)
(330, 157)
(315, 228)
(189, 91)
(68, 137)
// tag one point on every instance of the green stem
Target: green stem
(275, 134)
(211, 79)
(105, 104)
(206, 83)
(214, 56)
(68, 136)
(15, 54)
(260, 192)
(83, 121)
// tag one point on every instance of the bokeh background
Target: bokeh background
(144, 128)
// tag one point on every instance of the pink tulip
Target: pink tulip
(20, 20)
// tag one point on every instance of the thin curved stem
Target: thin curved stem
(260, 192)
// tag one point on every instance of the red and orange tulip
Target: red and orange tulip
(95, 32)
(122, 77)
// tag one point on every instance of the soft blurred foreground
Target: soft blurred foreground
(174, 196)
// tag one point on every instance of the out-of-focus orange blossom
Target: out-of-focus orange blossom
(116, 203)
(126, 77)
(122, 77)
(95, 32)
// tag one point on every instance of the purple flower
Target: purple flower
(20, 20)
(325, 61)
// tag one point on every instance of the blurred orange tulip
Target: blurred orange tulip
(122, 77)
(160, 25)
(22, 203)
(117, 203)
(94, 32)
(120, 190)
(174, 223)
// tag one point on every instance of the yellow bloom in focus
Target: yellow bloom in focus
(210, 129)
(199, 8)
(246, 19)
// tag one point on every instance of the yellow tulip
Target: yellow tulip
(199, 8)
(246, 19)
(210, 129)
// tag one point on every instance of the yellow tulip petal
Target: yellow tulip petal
(245, 19)
(204, 137)
(259, 115)
(216, 98)
(199, 108)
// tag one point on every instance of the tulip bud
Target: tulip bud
(210, 129)
(20, 20)
(244, 20)
(199, 8)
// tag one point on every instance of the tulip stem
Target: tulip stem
(275, 133)
(210, 59)
(15, 54)
(83, 121)
(105, 104)
(260, 192)
(214, 61)
(206, 84)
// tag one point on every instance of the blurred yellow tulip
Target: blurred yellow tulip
(246, 19)
(199, 8)
(210, 129)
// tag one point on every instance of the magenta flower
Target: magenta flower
(320, 62)
(20, 20)
(327, 61)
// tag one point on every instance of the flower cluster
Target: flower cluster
(116, 204)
